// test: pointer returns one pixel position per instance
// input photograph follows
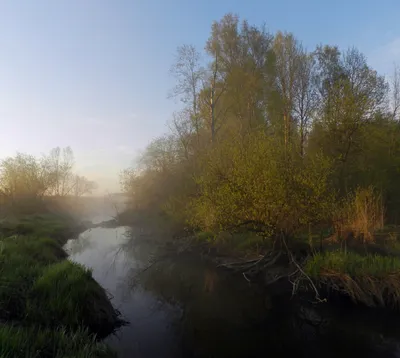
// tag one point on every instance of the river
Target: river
(182, 306)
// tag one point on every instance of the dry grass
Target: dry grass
(361, 215)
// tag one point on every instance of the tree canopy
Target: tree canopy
(271, 133)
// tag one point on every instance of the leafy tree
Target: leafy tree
(270, 134)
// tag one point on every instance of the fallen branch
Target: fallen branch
(240, 263)
(317, 296)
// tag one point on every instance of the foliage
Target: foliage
(26, 180)
(254, 180)
(275, 136)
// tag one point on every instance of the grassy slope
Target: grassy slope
(51, 307)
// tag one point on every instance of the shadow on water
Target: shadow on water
(182, 306)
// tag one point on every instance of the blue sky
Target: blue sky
(94, 74)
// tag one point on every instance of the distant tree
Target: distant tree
(82, 186)
(61, 163)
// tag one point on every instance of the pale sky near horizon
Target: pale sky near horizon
(94, 74)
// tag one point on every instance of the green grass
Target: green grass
(353, 264)
(22, 260)
(57, 305)
(371, 279)
(66, 294)
(205, 236)
(32, 342)
(45, 225)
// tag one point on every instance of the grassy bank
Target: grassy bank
(50, 307)
(371, 279)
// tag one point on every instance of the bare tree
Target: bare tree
(395, 91)
(216, 83)
(287, 50)
(82, 186)
(189, 74)
(182, 127)
(61, 163)
(305, 98)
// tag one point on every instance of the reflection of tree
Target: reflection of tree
(224, 317)
(216, 317)
(80, 244)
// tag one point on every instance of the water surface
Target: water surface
(182, 306)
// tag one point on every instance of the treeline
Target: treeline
(274, 135)
(25, 180)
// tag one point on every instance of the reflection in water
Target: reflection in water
(181, 306)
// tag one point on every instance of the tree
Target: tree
(350, 96)
(182, 129)
(61, 162)
(288, 53)
(395, 92)
(24, 181)
(305, 98)
(189, 74)
(82, 186)
(270, 133)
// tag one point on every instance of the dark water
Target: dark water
(183, 306)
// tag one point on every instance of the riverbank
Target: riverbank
(49, 307)
(367, 273)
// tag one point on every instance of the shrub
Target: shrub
(253, 179)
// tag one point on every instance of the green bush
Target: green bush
(66, 294)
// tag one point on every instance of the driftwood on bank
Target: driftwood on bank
(270, 266)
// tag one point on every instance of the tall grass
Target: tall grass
(33, 342)
(22, 260)
(361, 214)
(370, 279)
(66, 294)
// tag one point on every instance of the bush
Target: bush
(66, 294)
(32, 342)
(253, 179)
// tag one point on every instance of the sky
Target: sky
(94, 74)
